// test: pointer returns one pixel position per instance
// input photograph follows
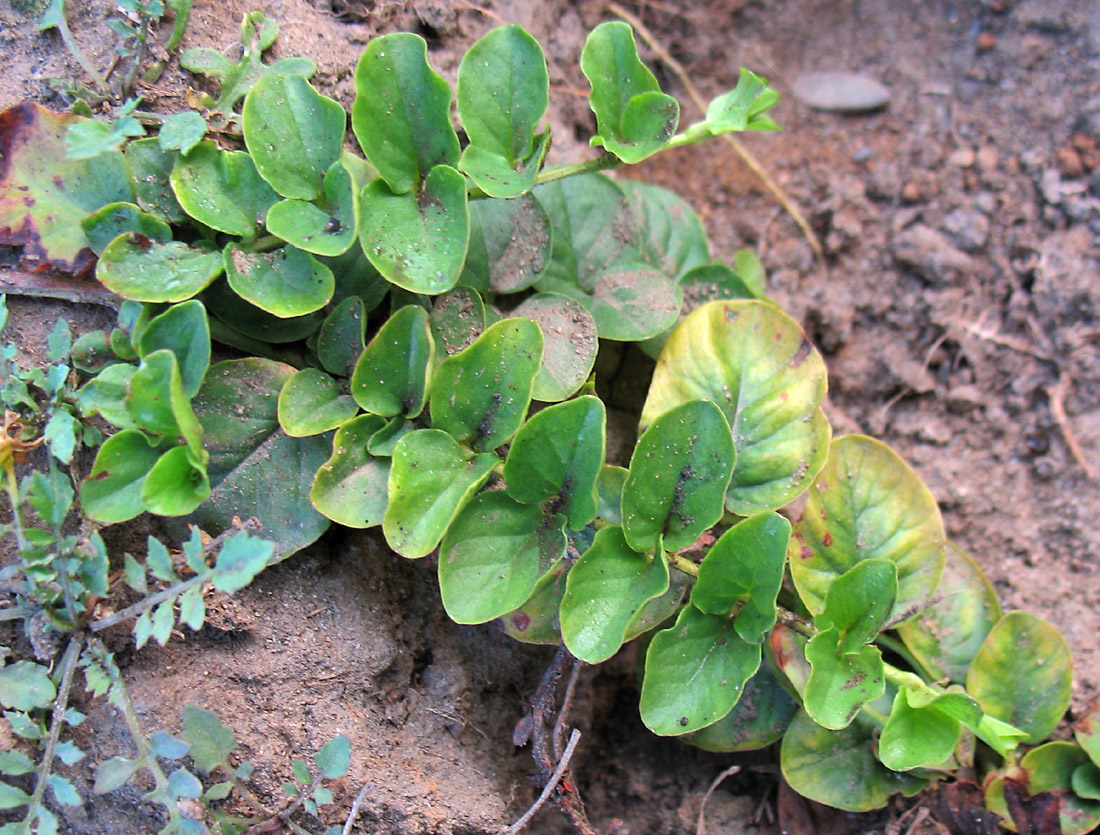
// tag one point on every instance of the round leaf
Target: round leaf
(328, 231)
(351, 488)
(293, 133)
(222, 189)
(757, 720)
(255, 468)
(744, 569)
(235, 313)
(868, 504)
(1023, 674)
(340, 341)
(493, 556)
(946, 635)
(922, 736)
(629, 302)
(112, 220)
(431, 480)
(537, 620)
(418, 241)
(754, 362)
(678, 477)
(571, 344)
(480, 396)
(839, 768)
(695, 673)
(509, 244)
(142, 270)
(503, 92)
(458, 319)
(112, 491)
(402, 111)
(670, 234)
(558, 455)
(175, 485)
(150, 168)
(391, 376)
(841, 682)
(310, 403)
(605, 590)
(285, 283)
(184, 330)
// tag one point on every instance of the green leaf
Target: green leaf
(163, 744)
(105, 395)
(327, 229)
(402, 112)
(755, 362)
(859, 602)
(241, 558)
(112, 491)
(558, 455)
(211, 742)
(384, 441)
(570, 344)
(418, 240)
(183, 784)
(25, 686)
(142, 270)
(286, 282)
(742, 108)
(750, 272)
(334, 758)
(60, 191)
(947, 633)
(609, 491)
(340, 341)
(536, 621)
(1086, 781)
(244, 318)
(868, 504)
(14, 763)
(679, 472)
(391, 376)
(293, 133)
(493, 556)
(150, 168)
(91, 352)
(176, 484)
(503, 92)
(457, 319)
(744, 569)
(431, 480)
(106, 224)
(114, 773)
(924, 736)
(255, 468)
(1023, 674)
(510, 244)
(670, 234)
(695, 673)
(222, 189)
(311, 403)
(351, 488)
(12, 797)
(841, 682)
(605, 590)
(184, 330)
(159, 561)
(839, 768)
(192, 609)
(758, 719)
(61, 434)
(1087, 733)
(480, 396)
(157, 402)
(181, 132)
(635, 119)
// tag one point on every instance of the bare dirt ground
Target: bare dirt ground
(958, 305)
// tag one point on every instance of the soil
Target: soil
(958, 307)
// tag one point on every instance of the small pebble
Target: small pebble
(1069, 163)
(986, 42)
(988, 157)
(962, 158)
(841, 92)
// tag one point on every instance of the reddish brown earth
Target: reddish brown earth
(958, 306)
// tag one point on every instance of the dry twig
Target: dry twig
(1057, 394)
(701, 825)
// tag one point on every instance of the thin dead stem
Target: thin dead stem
(1057, 394)
(701, 825)
(548, 789)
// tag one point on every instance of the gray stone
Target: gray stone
(929, 253)
(968, 229)
(841, 92)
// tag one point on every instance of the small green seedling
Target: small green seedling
(420, 326)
